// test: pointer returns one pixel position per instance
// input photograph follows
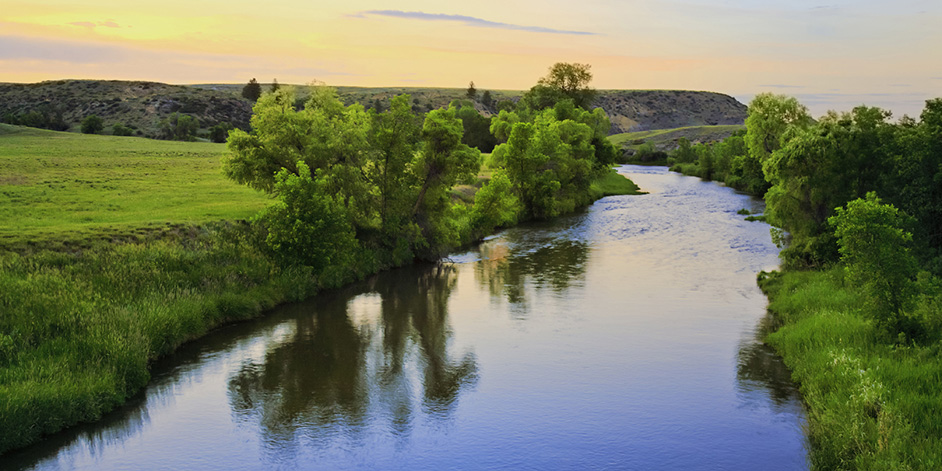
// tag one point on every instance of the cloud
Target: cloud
(466, 20)
(93, 25)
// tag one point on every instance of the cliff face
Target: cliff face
(643, 110)
(142, 105)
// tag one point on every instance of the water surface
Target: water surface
(624, 337)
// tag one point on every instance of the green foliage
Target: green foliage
(684, 153)
(79, 328)
(443, 162)
(252, 90)
(563, 81)
(495, 205)
(871, 405)
(220, 132)
(310, 225)
(472, 92)
(839, 159)
(550, 163)
(477, 131)
(92, 124)
(769, 116)
(178, 127)
(874, 249)
(487, 100)
(914, 184)
(502, 124)
(274, 86)
(121, 130)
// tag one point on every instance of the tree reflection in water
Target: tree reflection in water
(340, 371)
(760, 369)
(541, 262)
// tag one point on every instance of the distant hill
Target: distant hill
(142, 105)
(139, 105)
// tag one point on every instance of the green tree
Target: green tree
(180, 127)
(487, 100)
(564, 80)
(274, 86)
(684, 152)
(874, 247)
(220, 132)
(768, 118)
(550, 163)
(477, 131)
(442, 162)
(395, 136)
(915, 182)
(839, 159)
(252, 90)
(92, 124)
(472, 92)
(495, 205)
(310, 225)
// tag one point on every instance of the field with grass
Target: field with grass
(69, 188)
(666, 139)
(872, 403)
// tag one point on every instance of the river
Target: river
(622, 337)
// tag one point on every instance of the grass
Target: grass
(872, 404)
(79, 329)
(612, 184)
(662, 137)
(57, 187)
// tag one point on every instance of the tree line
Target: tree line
(359, 189)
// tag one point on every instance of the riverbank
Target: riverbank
(83, 321)
(872, 403)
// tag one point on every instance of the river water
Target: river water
(623, 337)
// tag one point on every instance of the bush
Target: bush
(92, 125)
(220, 132)
(120, 130)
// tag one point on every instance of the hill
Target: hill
(666, 139)
(138, 105)
(142, 105)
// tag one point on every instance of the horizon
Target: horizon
(830, 56)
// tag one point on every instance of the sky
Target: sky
(830, 54)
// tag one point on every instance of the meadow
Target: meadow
(73, 189)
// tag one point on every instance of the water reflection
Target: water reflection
(376, 352)
(760, 369)
(526, 258)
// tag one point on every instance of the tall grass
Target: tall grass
(78, 330)
(872, 403)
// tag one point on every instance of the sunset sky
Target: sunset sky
(829, 54)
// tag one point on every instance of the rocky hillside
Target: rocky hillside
(142, 105)
(644, 110)
(138, 105)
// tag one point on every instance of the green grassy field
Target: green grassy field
(62, 187)
(667, 137)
